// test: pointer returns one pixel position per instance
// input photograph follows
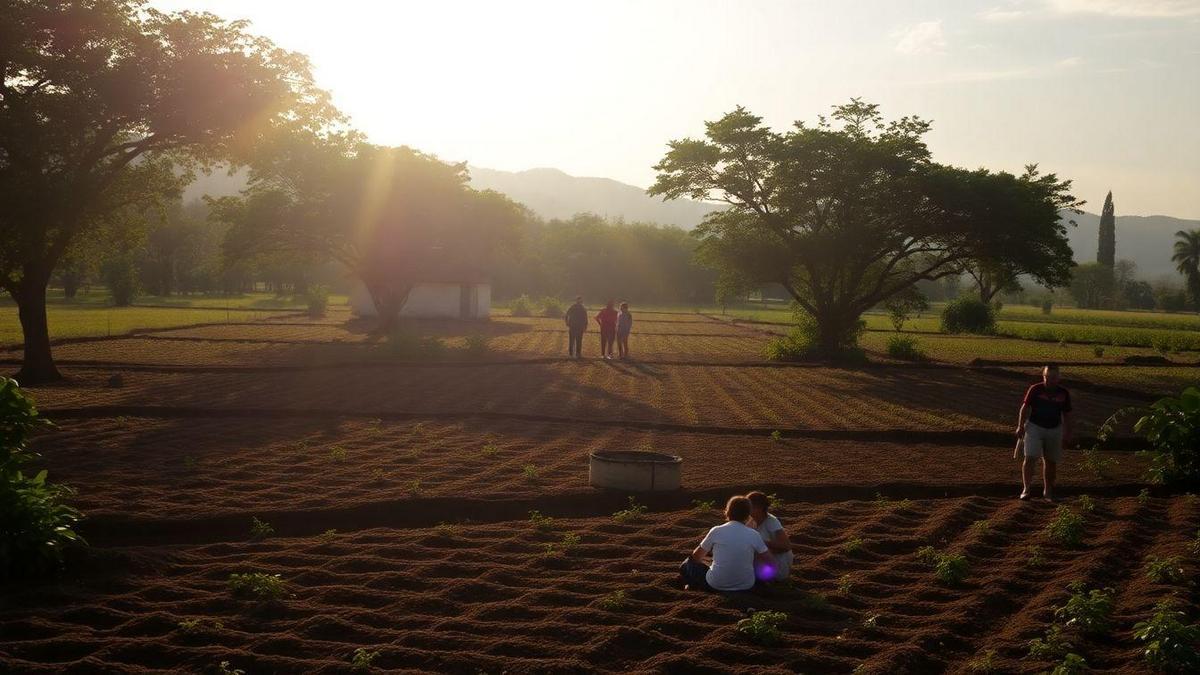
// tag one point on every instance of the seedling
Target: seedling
(984, 663)
(845, 584)
(1165, 570)
(489, 449)
(1087, 504)
(981, 527)
(378, 475)
(569, 541)
(225, 669)
(703, 506)
(1194, 545)
(413, 486)
(1170, 642)
(530, 471)
(1144, 497)
(632, 513)
(1036, 558)
(853, 546)
(1095, 463)
(1089, 611)
(1050, 648)
(777, 435)
(448, 530)
(951, 569)
(613, 602)
(775, 500)
(928, 555)
(361, 659)
(328, 536)
(871, 622)
(1072, 664)
(257, 586)
(1067, 527)
(1098, 351)
(763, 627)
(260, 529)
(814, 602)
(884, 502)
(194, 626)
(337, 454)
(540, 522)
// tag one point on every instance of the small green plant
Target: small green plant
(1165, 570)
(1066, 527)
(984, 663)
(968, 315)
(378, 475)
(1096, 464)
(633, 512)
(1088, 610)
(928, 555)
(813, 602)
(540, 522)
(703, 506)
(328, 536)
(981, 527)
(552, 307)
(905, 348)
(763, 627)
(530, 471)
(1072, 664)
(1172, 428)
(1143, 497)
(1194, 545)
(1170, 641)
(195, 626)
(489, 449)
(337, 454)
(613, 602)
(569, 541)
(871, 622)
(951, 569)
(477, 346)
(777, 436)
(1098, 351)
(224, 668)
(1086, 504)
(448, 530)
(522, 306)
(260, 529)
(1052, 647)
(413, 487)
(257, 586)
(852, 546)
(1035, 557)
(845, 584)
(362, 659)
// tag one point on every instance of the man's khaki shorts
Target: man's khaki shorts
(1040, 441)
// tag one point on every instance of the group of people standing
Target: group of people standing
(615, 327)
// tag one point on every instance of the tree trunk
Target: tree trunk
(38, 365)
(837, 333)
(70, 285)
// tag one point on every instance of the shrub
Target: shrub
(613, 602)
(1050, 648)
(260, 529)
(1089, 611)
(777, 436)
(1098, 351)
(540, 522)
(1170, 642)
(845, 584)
(1072, 664)
(951, 569)
(852, 546)
(36, 524)
(257, 586)
(569, 541)
(1087, 504)
(795, 346)
(121, 277)
(1047, 306)
(801, 343)
(317, 299)
(530, 471)
(1172, 427)
(634, 512)
(362, 659)
(984, 663)
(702, 506)
(522, 306)
(476, 346)
(406, 345)
(1067, 527)
(905, 348)
(763, 627)
(552, 307)
(1165, 570)
(927, 555)
(1096, 464)
(968, 315)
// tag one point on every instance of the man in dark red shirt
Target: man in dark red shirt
(1045, 424)
(607, 318)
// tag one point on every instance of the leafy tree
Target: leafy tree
(845, 217)
(1092, 285)
(394, 217)
(992, 279)
(1187, 261)
(901, 306)
(103, 105)
(1107, 253)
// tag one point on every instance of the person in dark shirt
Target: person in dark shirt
(607, 318)
(577, 322)
(1045, 424)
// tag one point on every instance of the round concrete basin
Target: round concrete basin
(633, 470)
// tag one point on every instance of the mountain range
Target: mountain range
(1147, 240)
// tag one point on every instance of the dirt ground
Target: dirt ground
(398, 494)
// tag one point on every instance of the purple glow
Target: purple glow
(764, 571)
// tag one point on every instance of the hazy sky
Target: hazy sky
(1106, 92)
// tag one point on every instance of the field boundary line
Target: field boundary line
(134, 332)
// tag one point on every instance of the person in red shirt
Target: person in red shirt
(1045, 424)
(607, 318)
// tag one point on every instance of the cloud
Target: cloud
(923, 38)
(1028, 73)
(1013, 10)
(1070, 62)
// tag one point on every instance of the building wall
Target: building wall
(431, 301)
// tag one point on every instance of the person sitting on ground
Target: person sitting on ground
(577, 323)
(771, 531)
(1045, 423)
(607, 318)
(624, 327)
(735, 548)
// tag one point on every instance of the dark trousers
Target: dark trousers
(694, 574)
(575, 342)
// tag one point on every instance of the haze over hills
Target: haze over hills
(1147, 240)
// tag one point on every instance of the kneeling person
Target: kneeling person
(735, 548)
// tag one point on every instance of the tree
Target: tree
(1187, 261)
(1107, 253)
(846, 217)
(1092, 285)
(107, 105)
(993, 279)
(394, 217)
(901, 306)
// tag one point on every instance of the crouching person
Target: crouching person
(773, 535)
(736, 549)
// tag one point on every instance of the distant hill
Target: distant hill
(1146, 240)
(554, 194)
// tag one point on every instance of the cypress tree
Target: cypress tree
(1107, 254)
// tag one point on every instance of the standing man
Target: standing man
(607, 318)
(577, 322)
(1045, 423)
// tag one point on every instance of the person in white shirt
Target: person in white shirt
(735, 548)
(771, 531)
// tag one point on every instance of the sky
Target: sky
(1104, 92)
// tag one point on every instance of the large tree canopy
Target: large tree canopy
(103, 103)
(393, 216)
(846, 216)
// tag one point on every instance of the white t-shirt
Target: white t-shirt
(733, 546)
(770, 525)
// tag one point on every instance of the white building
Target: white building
(435, 300)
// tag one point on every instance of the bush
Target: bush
(1067, 527)
(477, 346)
(951, 569)
(763, 627)
(968, 315)
(317, 299)
(406, 345)
(552, 307)
(1170, 641)
(802, 343)
(1089, 611)
(257, 586)
(120, 275)
(905, 348)
(1047, 306)
(522, 306)
(35, 523)
(1172, 426)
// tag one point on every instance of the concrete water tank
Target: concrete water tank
(634, 470)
